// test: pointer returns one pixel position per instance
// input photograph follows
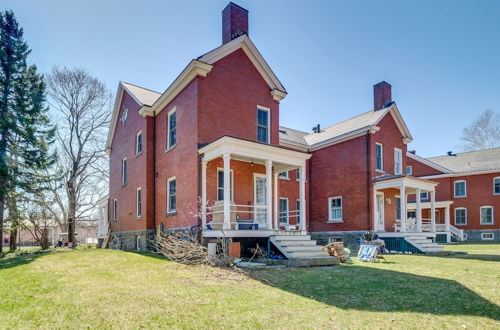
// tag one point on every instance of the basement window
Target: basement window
(487, 236)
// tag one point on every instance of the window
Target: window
(172, 129)
(138, 143)
(398, 161)
(115, 209)
(220, 184)
(298, 211)
(333, 239)
(138, 203)
(138, 243)
(379, 157)
(409, 170)
(496, 186)
(487, 236)
(436, 212)
(297, 174)
(263, 125)
(460, 216)
(283, 210)
(124, 171)
(335, 209)
(460, 188)
(486, 215)
(398, 208)
(424, 196)
(171, 193)
(284, 175)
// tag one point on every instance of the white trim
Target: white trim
(137, 152)
(428, 163)
(221, 169)
(455, 188)
(492, 215)
(488, 239)
(169, 114)
(426, 198)
(376, 211)
(138, 209)
(496, 178)
(261, 108)
(138, 243)
(427, 205)
(168, 195)
(344, 137)
(124, 171)
(284, 177)
(453, 175)
(115, 209)
(336, 220)
(287, 211)
(261, 176)
(455, 216)
(395, 209)
(400, 123)
(381, 169)
(400, 153)
(407, 181)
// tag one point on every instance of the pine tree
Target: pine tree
(25, 130)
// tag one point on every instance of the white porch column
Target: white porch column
(269, 193)
(275, 200)
(227, 191)
(203, 195)
(402, 193)
(433, 211)
(302, 197)
(418, 211)
(447, 223)
(375, 210)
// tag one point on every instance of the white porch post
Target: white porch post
(418, 211)
(203, 195)
(402, 193)
(227, 191)
(447, 223)
(375, 210)
(269, 193)
(275, 200)
(302, 197)
(433, 211)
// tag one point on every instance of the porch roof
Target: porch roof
(409, 182)
(283, 159)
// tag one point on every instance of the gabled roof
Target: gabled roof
(293, 137)
(141, 95)
(348, 129)
(473, 161)
(428, 163)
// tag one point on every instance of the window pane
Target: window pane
(398, 208)
(298, 211)
(497, 186)
(283, 210)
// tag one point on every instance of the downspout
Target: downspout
(368, 179)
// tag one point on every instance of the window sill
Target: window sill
(486, 224)
(380, 171)
(461, 224)
(169, 214)
(138, 218)
(460, 196)
(124, 185)
(172, 147)
(137, 155)
(283, 178)
(335, 221)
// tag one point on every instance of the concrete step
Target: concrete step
(314, 261)
(308, 254)
(432, 249)
(297, 243)
(292, 237)
(300, 248)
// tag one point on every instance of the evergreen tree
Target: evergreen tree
(25, 129)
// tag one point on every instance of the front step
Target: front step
(308, 254)
(292, 237)
(298, 243)
(301, 251)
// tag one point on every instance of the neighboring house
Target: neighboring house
(470, 181)
(209, 153)
(86, 233)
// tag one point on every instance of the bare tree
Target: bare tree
(82, 106)
(37, 221)
(483, 133)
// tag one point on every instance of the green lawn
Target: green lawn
(114, 289)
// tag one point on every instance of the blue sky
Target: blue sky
(441, 57)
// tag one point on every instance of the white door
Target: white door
(260, 199)
(380, 212)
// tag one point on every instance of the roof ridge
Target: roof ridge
(293, 129)
(465, 152)
(147, 89)
(343, 121)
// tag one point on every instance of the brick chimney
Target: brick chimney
(234, 22)
(381, 95)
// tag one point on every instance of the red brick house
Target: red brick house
(209, 153)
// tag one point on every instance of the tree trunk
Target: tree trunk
(2, 208)
(13, 239)
(71, 215)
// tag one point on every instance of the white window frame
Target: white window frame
(410, 168)
(381, 169)
(287, 211)
(297, 213)
(395, 208)
(398, 152)
(455, 188)
(337, 220)
(488, 239)
(138, 205)
(284, 175)
(297, 174)
(115, 209)
(221, 170)
(169, 211)
(426, 198)
(259, 107)
(124, 171)
(494, 179)
(169, 115)
(138, 243)
(461, 224)
(492, 215)
(137, 135)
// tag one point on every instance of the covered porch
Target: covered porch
(240, 190)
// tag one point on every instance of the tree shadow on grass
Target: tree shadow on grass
(15, 261)
(379, 290)
(482, 257)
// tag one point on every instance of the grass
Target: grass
(114, 289)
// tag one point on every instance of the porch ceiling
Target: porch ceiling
(410, 183)
(259, 153)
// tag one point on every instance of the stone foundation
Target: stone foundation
(128, 240)
(475, 234)
(351, 239)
